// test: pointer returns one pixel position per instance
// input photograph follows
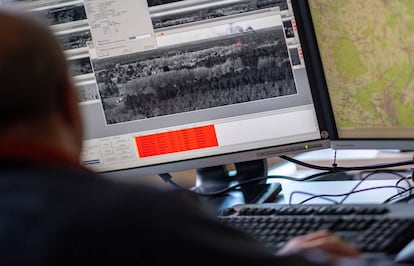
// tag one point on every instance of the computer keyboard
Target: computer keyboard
(370, 228)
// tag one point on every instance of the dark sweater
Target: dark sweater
(63, 215)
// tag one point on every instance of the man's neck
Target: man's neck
(35, 153)
(52, 136)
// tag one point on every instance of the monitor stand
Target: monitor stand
(217, 178)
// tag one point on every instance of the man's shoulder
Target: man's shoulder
(73, 185)
(76, 193)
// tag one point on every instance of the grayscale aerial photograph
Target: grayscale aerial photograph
(289, 32)
(87, 92)
(294, 55)
(232, 69)
(80, 66)
(65, 14)
(161, 2)
(75, 40)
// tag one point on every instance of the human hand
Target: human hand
(331, 245)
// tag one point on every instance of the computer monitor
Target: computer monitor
(212, 83)
(366, 51)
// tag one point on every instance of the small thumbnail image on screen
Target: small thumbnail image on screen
(87, 92)
(161, 2)
(294, 56)
(65, 14)
(289, 32)
(80, 66)
(75, 40)
(203, 13)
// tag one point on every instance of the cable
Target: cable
(354, 168)
(408, 183)
(309, 194)
(407, 189)
(313, 176)
(368, 176)
(334, 164)
(344, 194)
(223, 191)
(403, 179)
(249, 181)
(388, 171)
(312, 166)
(355, 187)
(253, 180)
(399, 194)
(168, 179)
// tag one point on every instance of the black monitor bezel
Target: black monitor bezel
(314, 67)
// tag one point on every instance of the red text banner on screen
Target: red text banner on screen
(176, 141)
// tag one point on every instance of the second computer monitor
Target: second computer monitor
(366, 48)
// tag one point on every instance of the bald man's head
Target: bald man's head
(33, 71)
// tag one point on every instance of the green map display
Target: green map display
(367, 50)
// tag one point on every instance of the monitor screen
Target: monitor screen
(367, 56)
(173, 85)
